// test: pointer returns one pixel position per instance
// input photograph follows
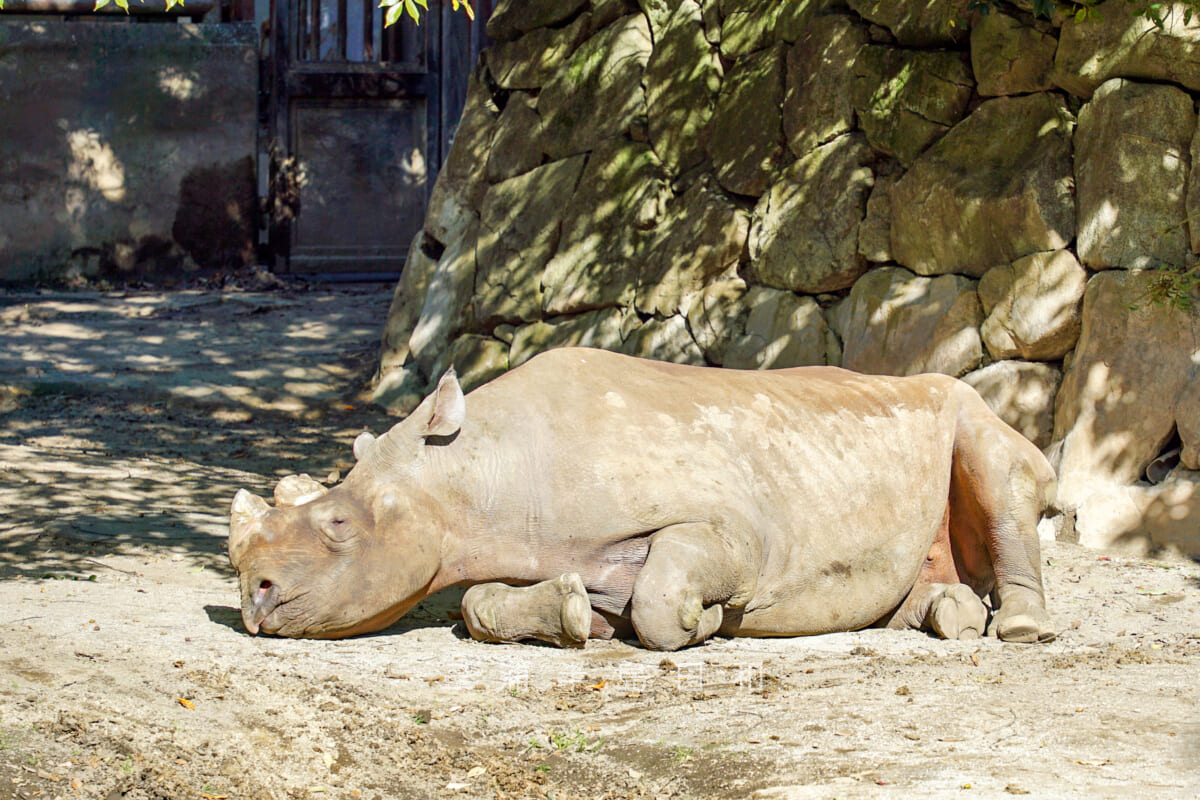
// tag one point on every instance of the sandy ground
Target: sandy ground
(124, 671)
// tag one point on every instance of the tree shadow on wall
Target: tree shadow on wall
(118, 134)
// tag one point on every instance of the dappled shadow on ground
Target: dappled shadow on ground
(140, 425)
(83, 476)
(128, 421)
(255, 352)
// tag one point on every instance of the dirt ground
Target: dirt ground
(125, 673)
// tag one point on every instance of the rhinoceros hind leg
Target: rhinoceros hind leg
(951, 610)
(1000, 485)
(690, 572)
(555, 611)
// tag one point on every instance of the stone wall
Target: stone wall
(893, 187)
(126, 148)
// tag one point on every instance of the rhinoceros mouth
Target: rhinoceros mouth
(271, 612)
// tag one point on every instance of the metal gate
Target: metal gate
(355, 122)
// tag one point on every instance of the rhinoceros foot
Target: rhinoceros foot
(1023, 621)
(958, 613)
(555, 611)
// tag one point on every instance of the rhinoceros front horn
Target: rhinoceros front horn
(295, 490)
(245, 514)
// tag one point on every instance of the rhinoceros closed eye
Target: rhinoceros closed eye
(338, 529)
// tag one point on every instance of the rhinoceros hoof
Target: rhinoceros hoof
(1023, 625)
(576, 611)
(958, 613)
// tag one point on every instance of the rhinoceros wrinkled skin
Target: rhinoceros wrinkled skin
(678, 501)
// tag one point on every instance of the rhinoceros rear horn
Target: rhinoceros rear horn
(245, 514)
(362, 445)
(296, 490)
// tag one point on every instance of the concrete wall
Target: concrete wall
(126, 149)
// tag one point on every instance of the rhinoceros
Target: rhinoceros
(591, 494)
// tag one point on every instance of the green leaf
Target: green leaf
(101, 4)
(123, 5)
(393, 13)
(411, 8)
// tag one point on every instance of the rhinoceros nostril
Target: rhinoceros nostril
(264, 601)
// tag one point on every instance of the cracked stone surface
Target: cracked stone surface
(805, 232)
(997, 187)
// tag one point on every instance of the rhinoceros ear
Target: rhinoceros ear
(245, 514)
(449, 407)
(296, 490)
(362, 444)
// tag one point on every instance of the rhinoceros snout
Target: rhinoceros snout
(262, 602)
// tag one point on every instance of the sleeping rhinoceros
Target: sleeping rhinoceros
(628, 496)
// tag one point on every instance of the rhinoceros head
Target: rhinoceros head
(354, 558)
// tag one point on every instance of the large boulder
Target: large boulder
(997, 187)
(1131, 167)
(1022, 394)
(1193, 194)
(1129, 380)
(1143, 519)
(407, 301)
(746, 136)
(511, 18)
(1011, 57)
(517, 143)
(598, 92)
(702, 236)
(875, 231)
(780, 330)
(532, 60)
(664, 340)
(754, 327)
(928, 23)
(1187, 423)
(1033, 306)
(717, 316)
(602, 329)
(476, 359)
(519, 233)
(1119, 43)
(621, 194)
(445, 311)
(400, 390)
(816, 105)
(750, 25)
(805, 233)
(908, 99)
(462, 182)
(682, 78)
(898, 323)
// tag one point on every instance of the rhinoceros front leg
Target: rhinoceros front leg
(691, 571)
(555, 611)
